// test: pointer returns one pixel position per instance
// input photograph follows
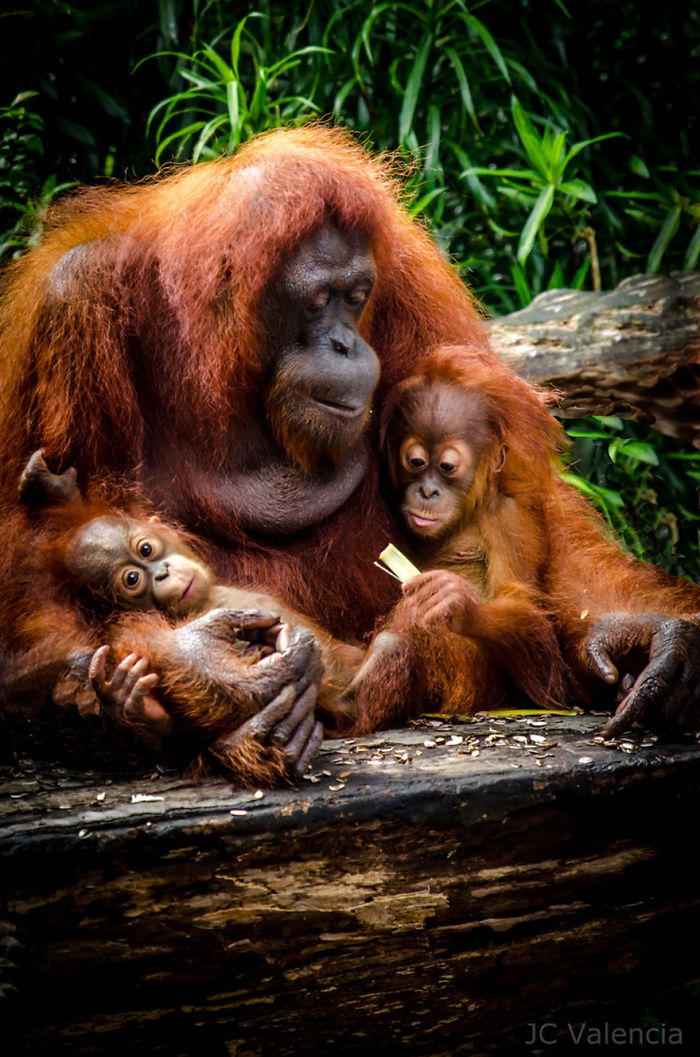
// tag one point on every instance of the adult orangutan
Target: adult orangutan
(210, 342)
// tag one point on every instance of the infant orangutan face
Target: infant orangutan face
(140, 564)
(439, 439)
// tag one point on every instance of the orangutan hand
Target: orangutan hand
(665, 695)
(442, 597)
(284, 735)
(127, 693)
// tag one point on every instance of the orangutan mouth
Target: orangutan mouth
(344, 410)
(421, 521)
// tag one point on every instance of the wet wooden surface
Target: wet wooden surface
(433, 891)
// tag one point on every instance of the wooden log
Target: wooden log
(435, 890)
(631, 352)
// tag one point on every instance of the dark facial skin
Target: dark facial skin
(324, 373)
(306, 451)
(139, 565)
(437, 439)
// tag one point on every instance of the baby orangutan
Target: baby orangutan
(203, 637)
(476, 524)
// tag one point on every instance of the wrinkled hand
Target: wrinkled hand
(442, 597)
(127, 694)
(665, 693)
(254, 626)
(288, 724)
(296, 651)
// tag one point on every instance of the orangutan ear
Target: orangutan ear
(500, 458)
(154, 519)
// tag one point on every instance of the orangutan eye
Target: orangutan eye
(447, 467)
(414, 455)
(358, 296)
(318, 301)
(148, 549)
(131, 579)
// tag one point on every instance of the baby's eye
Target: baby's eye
(416, 462)
(131, 579)
(145, 549)
(447, 467)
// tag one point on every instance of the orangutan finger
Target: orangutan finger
(97, 672)
(309, 751)
(134, 703)
(647, 696)
(137, 671)
(121, 671)
(293, 748)
(284, 732)
(257, 618)
(599, 658)
(268, 717)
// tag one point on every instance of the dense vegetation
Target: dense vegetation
(547, 144)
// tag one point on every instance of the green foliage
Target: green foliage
(503, 110)
(645, 485)
(216, 112)
(507, 166)
(546, 146)
(23, 196)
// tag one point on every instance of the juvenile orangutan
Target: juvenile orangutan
(204, 637)
(477, 525)
(486, 554)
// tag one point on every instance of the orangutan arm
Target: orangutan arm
(515, 631)
(214, 687)
(620, 618)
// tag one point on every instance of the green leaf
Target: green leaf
(206, 135)
(663, 239)
(489, 43)
(236, 41)
(534, 222)
(605, 496)
(529, 138)
(418, 206)
(76, 132)
(182, 134)
(580, 277)
(578, 147)
(609, 420)
(224, 71)
(517, 174)
(232, 107)
(432, 151)
(522, 287)
(638, 167)
(483, 197)
(690, 261)
(463, 82)
(108, 103)
(579, 189)
(640, 452)
(413, 87)
(592, 434)
(556, 279)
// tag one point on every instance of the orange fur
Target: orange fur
(130, 347)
